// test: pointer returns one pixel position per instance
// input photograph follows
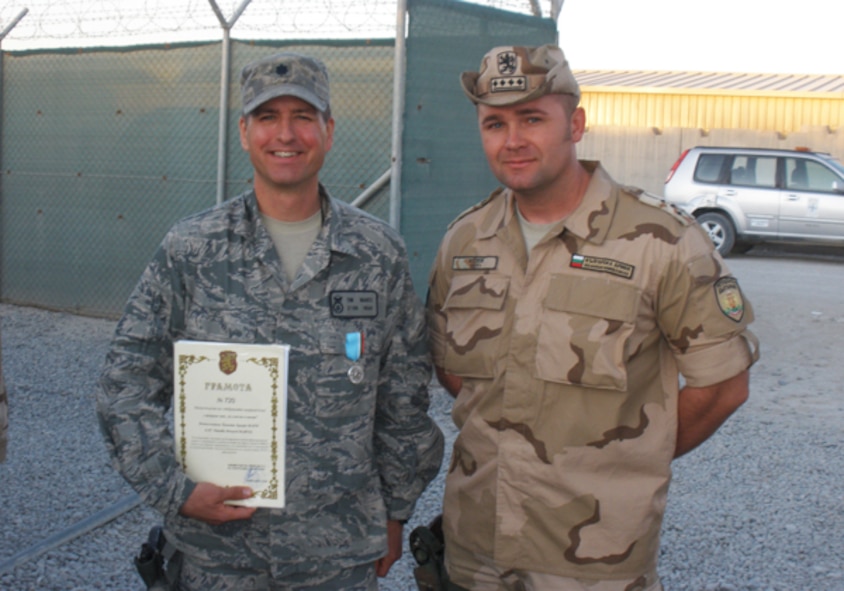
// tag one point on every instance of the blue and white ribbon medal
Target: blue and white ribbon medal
(354, 351)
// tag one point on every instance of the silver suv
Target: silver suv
(743, 196)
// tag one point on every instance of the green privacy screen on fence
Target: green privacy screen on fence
(444, 170)
(101, 150)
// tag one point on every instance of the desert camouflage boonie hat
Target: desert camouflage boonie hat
(511, 75)
(285, 74)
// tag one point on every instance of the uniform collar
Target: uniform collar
(332, 237)
(590, 221)
(333, 223)
(592, 218)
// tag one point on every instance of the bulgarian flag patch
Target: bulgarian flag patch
(602, 265)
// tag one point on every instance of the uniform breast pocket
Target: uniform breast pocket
(584, 332)
(474, 308)
(209, 319)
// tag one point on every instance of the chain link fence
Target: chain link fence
(103, 150)
(103, 146)
(85, 23)
(445, 170)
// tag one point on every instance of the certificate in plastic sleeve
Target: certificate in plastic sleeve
(230, 414)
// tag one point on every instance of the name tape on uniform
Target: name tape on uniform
(354, 304)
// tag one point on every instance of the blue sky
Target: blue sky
(771, 36)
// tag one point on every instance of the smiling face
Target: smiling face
(530, 147)
(287, 140)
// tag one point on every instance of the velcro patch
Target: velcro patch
(354, 304)
(509, 84)
(729, 298)
(478, 263)
(602, 265)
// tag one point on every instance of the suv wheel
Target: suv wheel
(720, 230)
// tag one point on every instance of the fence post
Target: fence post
(225, 69)
(399, 89)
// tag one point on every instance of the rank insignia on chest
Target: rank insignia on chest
(474, 263)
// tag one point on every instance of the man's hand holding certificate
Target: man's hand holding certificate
(230, 416)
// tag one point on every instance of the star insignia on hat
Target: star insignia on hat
(508, 84)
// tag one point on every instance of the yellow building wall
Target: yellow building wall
(780, 112)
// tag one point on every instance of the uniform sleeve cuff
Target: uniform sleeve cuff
(183, 490)
(714, 364)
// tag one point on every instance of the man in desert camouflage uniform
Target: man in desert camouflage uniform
(562, 311)
(283, 263)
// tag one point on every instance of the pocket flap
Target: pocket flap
(488, 292)
(332, 341)
(593, 296)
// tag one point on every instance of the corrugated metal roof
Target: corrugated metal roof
(645, 81)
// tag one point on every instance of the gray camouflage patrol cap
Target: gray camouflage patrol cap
(511, 75)
(285, 74)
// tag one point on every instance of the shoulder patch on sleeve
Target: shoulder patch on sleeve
(654, 201)
(729, 298)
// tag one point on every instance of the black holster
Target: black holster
(427, 544)
(159, 562)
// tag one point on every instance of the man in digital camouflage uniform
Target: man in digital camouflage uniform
(269, 267)
(562, 311)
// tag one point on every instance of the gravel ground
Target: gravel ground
(759, 507)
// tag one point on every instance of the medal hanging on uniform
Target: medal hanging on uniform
(354, 351)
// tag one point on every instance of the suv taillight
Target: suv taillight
(676, 164)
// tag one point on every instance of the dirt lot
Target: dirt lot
(759, 507)
(798, 297)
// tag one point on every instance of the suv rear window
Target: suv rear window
(743, 170)
(709, 167)
(754, 171)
